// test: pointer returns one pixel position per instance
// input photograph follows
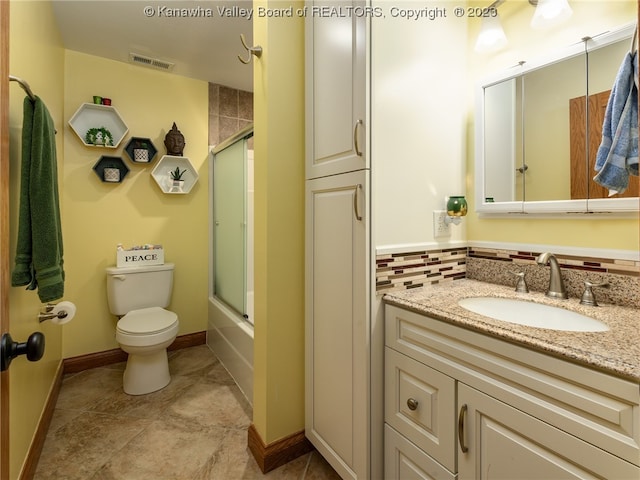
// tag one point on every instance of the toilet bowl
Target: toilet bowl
(138, 295)
(145, 335)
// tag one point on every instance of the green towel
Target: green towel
(39, 262)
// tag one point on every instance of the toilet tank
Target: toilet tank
(132, 288)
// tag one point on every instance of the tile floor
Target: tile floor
(193, 429)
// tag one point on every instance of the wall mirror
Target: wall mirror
(538, 128)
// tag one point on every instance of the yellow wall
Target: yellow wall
(98, 216)
(37, 56)
(278, 401)
(525, 43)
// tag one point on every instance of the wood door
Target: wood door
(582, 173)
(4, 230)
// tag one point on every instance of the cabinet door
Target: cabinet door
(335, 87)
(337, 352)
(497, 441)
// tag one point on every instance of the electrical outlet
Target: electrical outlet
(440, 228)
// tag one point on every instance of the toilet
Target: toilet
(138, 295)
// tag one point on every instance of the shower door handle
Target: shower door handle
(356, 194)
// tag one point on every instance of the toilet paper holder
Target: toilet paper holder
(48, 313)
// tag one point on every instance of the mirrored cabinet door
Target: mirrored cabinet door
(539, 130)
(603, 67)
(547, 95)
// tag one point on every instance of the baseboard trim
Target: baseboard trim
(35, 449)
(189, 340)
(279, 452)
(116, 355)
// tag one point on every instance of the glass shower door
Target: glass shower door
(230, 225)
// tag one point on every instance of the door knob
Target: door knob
(33, 348)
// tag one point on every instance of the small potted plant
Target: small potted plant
(141, 151)
(99, 136)
(111, 173)
(176, 179)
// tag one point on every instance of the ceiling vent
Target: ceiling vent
(150, 62)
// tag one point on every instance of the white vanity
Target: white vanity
(473, 398)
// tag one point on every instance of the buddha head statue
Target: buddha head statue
(174, 141)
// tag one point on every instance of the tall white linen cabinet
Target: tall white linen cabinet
(338, 236)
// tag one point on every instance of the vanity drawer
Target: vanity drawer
(404, 461)
(420, 404)
(597, 407)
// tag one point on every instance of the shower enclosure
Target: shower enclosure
(230, 323)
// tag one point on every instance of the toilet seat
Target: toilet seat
(147, 321)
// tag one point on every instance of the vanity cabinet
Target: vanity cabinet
(461, 404)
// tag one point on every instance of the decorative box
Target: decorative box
(139, 257)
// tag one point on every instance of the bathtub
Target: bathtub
(230, 336)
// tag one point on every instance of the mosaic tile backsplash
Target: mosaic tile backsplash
(402, 271)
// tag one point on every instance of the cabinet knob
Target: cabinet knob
(412, 403)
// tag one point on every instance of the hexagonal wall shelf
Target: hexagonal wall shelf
(90, 118)
(162, 174)
(141, 150)
(111, 169)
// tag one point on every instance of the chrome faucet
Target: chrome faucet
(556, 284)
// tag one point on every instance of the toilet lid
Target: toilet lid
(147, 320)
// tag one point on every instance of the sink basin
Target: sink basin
(532, 314)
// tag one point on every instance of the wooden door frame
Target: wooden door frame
(4, 230)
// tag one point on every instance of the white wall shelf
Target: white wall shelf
(162, 174)
(91, 115)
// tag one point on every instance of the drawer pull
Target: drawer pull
(461, 417)
(412, 404)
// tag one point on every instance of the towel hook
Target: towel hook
(257, 50)
(25, 86)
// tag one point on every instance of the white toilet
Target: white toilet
(138, 295)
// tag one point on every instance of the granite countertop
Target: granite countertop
(616, 351)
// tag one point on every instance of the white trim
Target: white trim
(632, 255)
(418, 247)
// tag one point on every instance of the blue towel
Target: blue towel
(39, 262)
(617, 156)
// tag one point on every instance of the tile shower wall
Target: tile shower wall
(402, 271)
(230, 110)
